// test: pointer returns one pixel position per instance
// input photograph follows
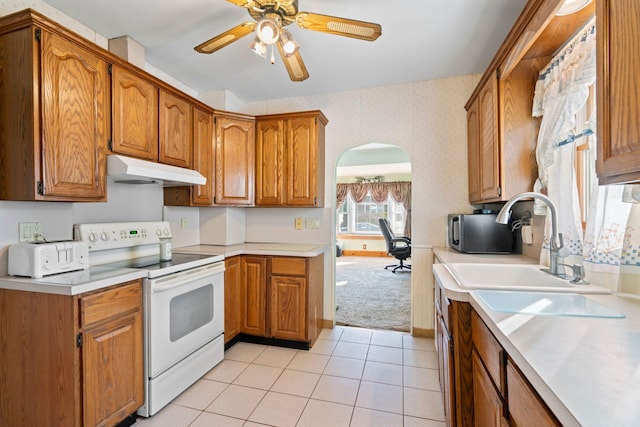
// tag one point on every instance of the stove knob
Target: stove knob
(93, 237)
(159, 232)
(104, 236)
(166, 231)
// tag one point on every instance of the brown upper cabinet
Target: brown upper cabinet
(54, 121)
(290, 159)
(618, 103)
(150, 123)
(134, 112)
(223, 151)
(502, 134)
(203, 156)
(235, 159)
(175, 137)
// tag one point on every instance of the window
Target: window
(362, 217)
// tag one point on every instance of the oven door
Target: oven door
(184, 312)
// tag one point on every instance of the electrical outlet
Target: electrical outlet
(30, 231)
(312, 223)
(184, 223)
(364, 246)
(299, 223)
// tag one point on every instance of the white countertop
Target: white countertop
(74, 283)
(586, 369)
(280, 249)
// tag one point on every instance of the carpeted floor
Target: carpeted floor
(371, 297)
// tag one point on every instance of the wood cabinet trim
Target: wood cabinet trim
(490, 351)
(103, 305)
(28, 17)
(525, 405)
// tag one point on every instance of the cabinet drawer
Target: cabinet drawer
(110, 303)
(490, 351)
(525, 406)
(289, 266)
(442, 304)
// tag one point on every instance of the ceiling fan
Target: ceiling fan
(270, 18)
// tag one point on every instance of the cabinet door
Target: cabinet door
(253, 289)
(235, 161)
(489, 149)
(302, 162)
(203, 156)
(134, 115)
(525, 406)
(487, 404)
(270, 162)
(75, 99)
(288, 308)
(446, 366)
(175, 123)
(232, 279)
(473, 145)
(112, 370)
(618, 61)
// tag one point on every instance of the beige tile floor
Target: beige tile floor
(351, 377)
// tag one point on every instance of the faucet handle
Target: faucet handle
(578, 274)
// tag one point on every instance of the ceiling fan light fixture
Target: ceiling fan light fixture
(258, 47)
(289, 45)
(571, 6)
(268, 31)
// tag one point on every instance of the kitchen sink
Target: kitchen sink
(545, 304)
(515, 277)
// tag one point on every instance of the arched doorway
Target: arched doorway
(366, 294)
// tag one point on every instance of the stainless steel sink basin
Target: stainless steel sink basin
(515, 277)
(545, 304)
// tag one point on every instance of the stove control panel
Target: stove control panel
(115, 235)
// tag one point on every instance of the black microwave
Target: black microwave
(479, 234)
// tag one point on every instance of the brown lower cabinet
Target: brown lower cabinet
(481, 386)
(277, 297)
(232, 277)
(71, 360)
(502, 396)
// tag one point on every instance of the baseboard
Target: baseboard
(347, 252)
(425, 333)
(327, 324)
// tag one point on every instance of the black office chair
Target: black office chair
(399, 247)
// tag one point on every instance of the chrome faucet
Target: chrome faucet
(555, 241)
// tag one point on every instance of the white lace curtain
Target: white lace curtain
(610, 248)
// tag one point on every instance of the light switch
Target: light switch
(299, 223)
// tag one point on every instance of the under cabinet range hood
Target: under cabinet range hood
(128, 170)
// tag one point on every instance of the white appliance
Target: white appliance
(183, 304)
(39, 259)
(128, 170)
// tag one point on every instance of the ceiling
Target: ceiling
(421, 40)
(384, 159)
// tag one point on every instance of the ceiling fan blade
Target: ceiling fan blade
(294, 64)
(241, 3)
(228, 37)
(340, 26)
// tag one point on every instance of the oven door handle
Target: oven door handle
(186, 277)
